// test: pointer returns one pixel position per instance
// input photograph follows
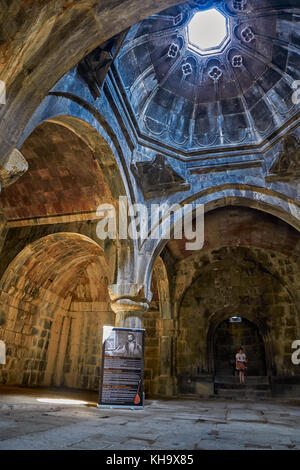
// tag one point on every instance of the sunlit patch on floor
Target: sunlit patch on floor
(61, 401)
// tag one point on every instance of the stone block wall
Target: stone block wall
(53, 305)
(26, 329)
(151, 323)
(82, 364)
(240, 282)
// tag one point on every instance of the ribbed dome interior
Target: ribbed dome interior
(239, 95)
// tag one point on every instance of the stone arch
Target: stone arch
(251, 315)
(112, 163)
(216, 294)
(81, 169)
(158, 324)
(67, 173)
(109, 155)
(259, 198)
(232, 335)
(93, 129)
(161, 276)
(56, 40)
(208, 265)
(54, 302)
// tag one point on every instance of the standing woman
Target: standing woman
(240, 364)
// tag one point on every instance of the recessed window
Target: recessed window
(208, 31)
(235, 320)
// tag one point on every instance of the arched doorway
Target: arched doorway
(230, 335)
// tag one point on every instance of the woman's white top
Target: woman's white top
(241, 357)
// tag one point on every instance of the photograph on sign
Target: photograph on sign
(124, 343)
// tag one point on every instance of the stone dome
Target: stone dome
(238, 93)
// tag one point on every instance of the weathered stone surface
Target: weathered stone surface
(159, 171)
(14, 167)
(54, 316)
(174, 424)
(42, 40)
(64, 177)
(287, 163)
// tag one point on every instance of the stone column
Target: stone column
(166, 383)
(129, 304)
(165, 349)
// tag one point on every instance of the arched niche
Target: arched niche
(228, 337)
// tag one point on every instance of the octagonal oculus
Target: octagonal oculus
(208, 31)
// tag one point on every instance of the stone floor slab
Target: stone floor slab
(25, 423)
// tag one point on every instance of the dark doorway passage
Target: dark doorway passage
(231, 336)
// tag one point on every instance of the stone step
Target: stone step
(238, 386)
(255, 387)
(230, 379)
(243, 394)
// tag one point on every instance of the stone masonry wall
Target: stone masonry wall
(240, 282)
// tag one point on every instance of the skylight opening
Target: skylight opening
(208, 31)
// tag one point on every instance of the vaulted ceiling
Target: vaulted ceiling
(63, 177)
(239, 94)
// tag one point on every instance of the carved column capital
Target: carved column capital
(12, 168)
(129, 304)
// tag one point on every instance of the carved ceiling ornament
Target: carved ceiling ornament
(169, 86)
(287, 164)
(177, 19)
(237, 61)
(187, 69)
(215, 73)
(158, 177)
(247, 34)
(173, 50)
(93, 68)
(239, 5)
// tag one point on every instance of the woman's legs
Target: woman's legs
(241, 368)
(242, 377)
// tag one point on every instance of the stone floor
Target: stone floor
(26, 423)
